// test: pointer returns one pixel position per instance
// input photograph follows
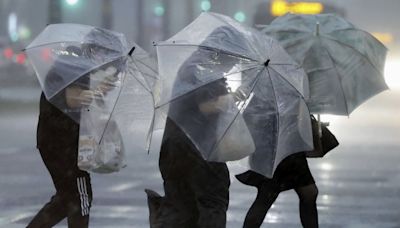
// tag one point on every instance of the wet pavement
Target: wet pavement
(359, 182)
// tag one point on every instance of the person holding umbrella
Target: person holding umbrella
(58, 126)
(344, 66)
(57, 141)
(292, 173)
(270, 103)
(196, 190)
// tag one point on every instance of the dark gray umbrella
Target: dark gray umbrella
(344, 64)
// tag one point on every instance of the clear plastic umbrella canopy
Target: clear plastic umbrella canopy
(344, 64)
(71, 58)
(122, 120)
(216, 71)
(71, 51)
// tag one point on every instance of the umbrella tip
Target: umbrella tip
(267, 62)
(131, 51)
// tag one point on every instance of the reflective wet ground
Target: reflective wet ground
(359, 182)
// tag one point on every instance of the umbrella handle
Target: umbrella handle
(131, 51)
(319, 126)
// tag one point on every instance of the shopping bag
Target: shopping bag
(100, 153)
(101, 147)
(324, 142)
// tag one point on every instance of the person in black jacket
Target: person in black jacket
(196, 190)
(58, 132)
(57, 141)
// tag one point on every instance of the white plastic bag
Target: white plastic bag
(101, 148)
(101, 155)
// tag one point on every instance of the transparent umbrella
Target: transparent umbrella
(215, 72)
(344, 64)
(73, 59)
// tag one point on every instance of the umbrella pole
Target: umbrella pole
(149, 136)
(319, 126)
(316, 32)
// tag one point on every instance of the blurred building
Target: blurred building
(148, 21)
(264, 14)
(144, 21)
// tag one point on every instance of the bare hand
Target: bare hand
(108, 79)
(76, 97)
(86, 97)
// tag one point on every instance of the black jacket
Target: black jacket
(55, 128)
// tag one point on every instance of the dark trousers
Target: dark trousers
(73, 190)
(196, 191)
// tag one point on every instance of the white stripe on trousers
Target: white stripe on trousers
(86, 194)
(81, 182)
(83, 211)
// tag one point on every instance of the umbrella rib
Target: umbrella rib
(294, 44)
(340, 80)
(133, 62)
(327, 37)
(112, 111)
(278, 116)
(58, 42)
(360, 30)
(284, 64)
(361, 54)
(149, 67)
(149, 136)
(206, 83)
(211, 48)
(220, 19)
(301, 94)
(50, 43)
(115, 104)
(233, 27)
(290, 30)
(243, 107)
(149, 75)
(146, 74)
(116, 101)
(86, 72)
